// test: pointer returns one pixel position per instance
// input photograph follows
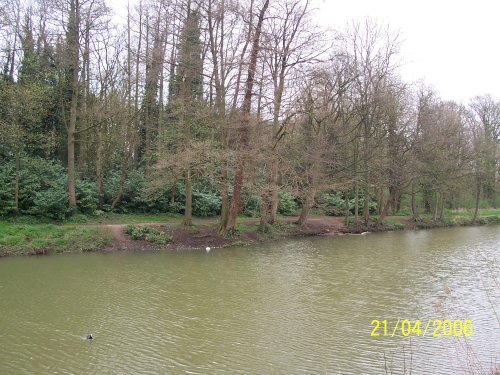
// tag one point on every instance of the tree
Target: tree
(371, 51)
(291, 43)
(245, 121)
(72, 65)
(186, 104)
(22, 110)
(487, 114)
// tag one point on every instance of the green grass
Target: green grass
(105, 218)
(18, 239)
(394, 224)
(113, 218)
(461, 218)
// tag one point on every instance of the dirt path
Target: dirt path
(120, 240)
(204, 232)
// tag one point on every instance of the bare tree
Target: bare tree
(291, 42)
(245, 121)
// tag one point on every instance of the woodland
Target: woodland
(227, 108)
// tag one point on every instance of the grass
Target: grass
(31, 235)
(105, 218)
(19, 239)
(461, 218)
(393, 224)
(135, 218)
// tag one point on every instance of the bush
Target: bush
(129, 229)
(250, 205)
(52, 203)
(135, 196)
(492, 219)
(149, 234)
(7, 184)
(287, 205)
(161, 238)
(86, 197)
(206, 204)
(43, 189)
(334, 205)
(137, 232)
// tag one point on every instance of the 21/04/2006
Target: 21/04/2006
(434, 327)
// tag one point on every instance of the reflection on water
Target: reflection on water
(301, 306)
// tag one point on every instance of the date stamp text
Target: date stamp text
(422, 328)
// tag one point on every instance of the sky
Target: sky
(451, 45)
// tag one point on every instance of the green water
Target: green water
(295, 307)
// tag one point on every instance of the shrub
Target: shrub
(43, 189)
(129, 229)
(86, 197)
(161, 238)
(481, 221)
(149, 234)
(250, 205)
(287, 205)
(334, 205)
(7, 183)
(52, 203)
(206, 204)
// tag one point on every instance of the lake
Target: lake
(297, 306)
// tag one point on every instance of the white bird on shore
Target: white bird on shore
(207, 249)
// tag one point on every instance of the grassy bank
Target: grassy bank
(22, 235)
(451, 219)
(28, 239)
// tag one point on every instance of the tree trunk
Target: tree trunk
(235, 201)
(304, 212)
(247, 102)
(188, 208)
(127, 141)
(265, 207)
(435, 207)
(99, 183)
(82, 138)
(220, 104)
(385, 211)
(71, 156)
(224, 215)
(136, 84)
(356, 201)
(73, 52)
(478, 197)
(81, 153)
(366, 205)
(414, 203)
(173, 193)
(16, 193)
(347, 211)
(380, 200)
(274, 199)
(443, 203)
(123, 176)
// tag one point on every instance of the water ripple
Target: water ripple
(292, 307)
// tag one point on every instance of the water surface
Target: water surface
(299, 306)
